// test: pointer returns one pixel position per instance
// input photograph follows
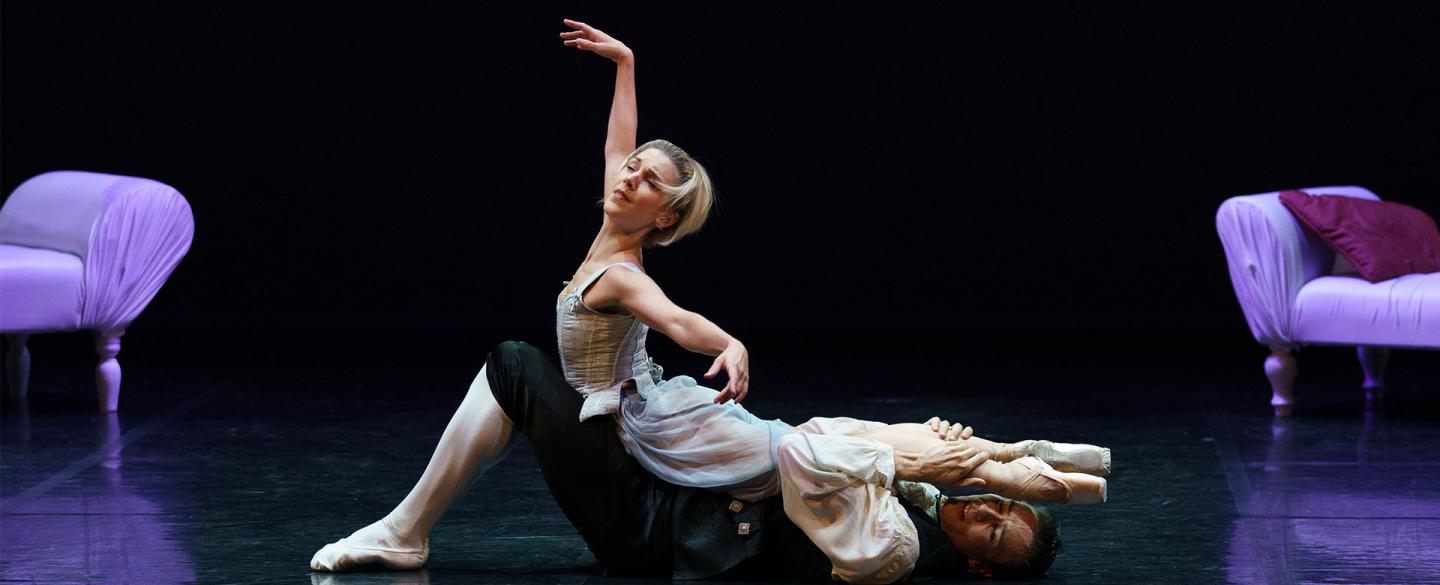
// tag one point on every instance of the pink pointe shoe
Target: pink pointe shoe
(1067, 457)
(1043, 484)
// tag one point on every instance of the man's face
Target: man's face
(988, 529)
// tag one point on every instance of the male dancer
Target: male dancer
(636, 524)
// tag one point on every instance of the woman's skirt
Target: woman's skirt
(677, 432)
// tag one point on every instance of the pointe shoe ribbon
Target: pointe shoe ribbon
(1045, 484)
(342, 555)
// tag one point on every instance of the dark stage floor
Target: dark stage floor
(236, 471)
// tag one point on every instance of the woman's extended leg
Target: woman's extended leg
(478, 437)
(1063, 456)
(1076, 457)
(1025, 478)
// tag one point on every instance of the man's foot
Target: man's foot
(376, 544)
(1068, 457)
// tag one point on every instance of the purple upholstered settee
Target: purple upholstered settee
(1295, 291)
(85, 251)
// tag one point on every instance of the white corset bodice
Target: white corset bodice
(599, 352)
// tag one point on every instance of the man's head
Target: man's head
(1002, 538)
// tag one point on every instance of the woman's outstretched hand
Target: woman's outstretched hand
(589, 38)
(949, 432)
(736, 362)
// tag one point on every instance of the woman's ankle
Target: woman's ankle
(1007, 452)
(404, 530)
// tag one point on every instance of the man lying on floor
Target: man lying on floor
(868, 519)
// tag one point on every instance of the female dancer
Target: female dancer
(683, 433)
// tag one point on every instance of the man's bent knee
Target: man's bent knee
(511, 350)
(511, 356)
(520, 375)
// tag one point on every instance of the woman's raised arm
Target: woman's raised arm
(624, 117)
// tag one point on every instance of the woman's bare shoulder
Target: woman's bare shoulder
(616, 283)
(626, 278)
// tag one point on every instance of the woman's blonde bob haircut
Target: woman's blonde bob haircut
(691, 199)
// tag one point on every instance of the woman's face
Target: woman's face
(635, 199)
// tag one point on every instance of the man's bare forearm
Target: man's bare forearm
(908, 468)
(942, 463)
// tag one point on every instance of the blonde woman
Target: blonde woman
(685, 434)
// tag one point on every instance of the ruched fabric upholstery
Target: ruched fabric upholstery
(127, 233)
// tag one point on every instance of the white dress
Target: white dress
(672, 427)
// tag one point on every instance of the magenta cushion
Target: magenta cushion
(1382, 239)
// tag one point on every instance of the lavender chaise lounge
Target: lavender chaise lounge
(1294, 292)
(85, 251)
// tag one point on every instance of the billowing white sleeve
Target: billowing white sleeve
(838, 490)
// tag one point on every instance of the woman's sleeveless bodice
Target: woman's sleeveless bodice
(599, 352)
(672, 427)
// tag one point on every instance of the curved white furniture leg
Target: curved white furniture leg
(1281, 368)
(107, 373)
(1372, 361)
(17, 365)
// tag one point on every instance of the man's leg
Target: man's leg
(478, 437)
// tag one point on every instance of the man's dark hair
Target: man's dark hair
(1042, 549)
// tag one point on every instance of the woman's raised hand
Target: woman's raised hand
(736, 361)
(589, 38)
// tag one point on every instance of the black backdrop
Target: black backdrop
(997, 164)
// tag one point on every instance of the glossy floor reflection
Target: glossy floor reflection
(213, 473)
(1331, 500)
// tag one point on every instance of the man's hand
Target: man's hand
(949, 432)
(947, 465)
